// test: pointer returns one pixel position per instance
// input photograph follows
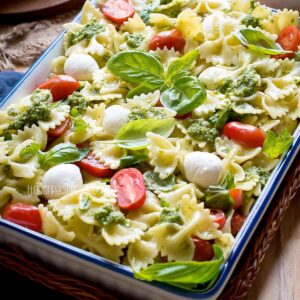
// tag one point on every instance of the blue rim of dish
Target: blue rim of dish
(241, 241)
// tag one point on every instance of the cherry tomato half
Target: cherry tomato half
(118, 11)
(92, 166)
(237, 222)
(130, 187)
(247, 135)
(61, 86)
(289, 40)
(220, 218)
(60, 129)
(237, 196)
(203, 250)
(170, 39)
(24, 215)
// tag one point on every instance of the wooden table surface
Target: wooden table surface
(279, 275)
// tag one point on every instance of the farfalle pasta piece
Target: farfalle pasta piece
(119, 235)
(108, 154)
(149, 213)
(141, 253)
(97, 192)
(214, 101)
(165, 55)
(163, 155)
(133, 25)
(9, 193)
(280, 20)
(94, 242)
(52, 227)
(211, 6)
(225, 242)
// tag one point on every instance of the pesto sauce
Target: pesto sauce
(78, 101)
(107, 215)
(250, 20)
(87, 32)
(134, 40)
(138, 113)
(170, 215)
(200, 131)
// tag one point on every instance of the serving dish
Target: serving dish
(95, 268)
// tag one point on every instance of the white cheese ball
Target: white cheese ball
(114, 118)
(81, 66)
(203, 168)
(61, 180)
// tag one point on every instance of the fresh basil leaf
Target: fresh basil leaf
(255, 40)
(144, 88)
(218, 197)
(79, 124)
(29, 151)
(297, 56)
(133, 134)
(136, 67)
(220, 119)
(190, 272)
(275, 145)
(132, 160)
(186, 94)
(182, 64)
(155, 183)
(228, 182)
(61, 154)
(85, 202)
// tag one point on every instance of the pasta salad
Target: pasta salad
(155, 133)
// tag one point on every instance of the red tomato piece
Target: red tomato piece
(60, 129)
(247, 135)
(24, 215)
(203, 250)
(289, 40)
(170, 39)
(118, 11)
(130, 187)
(220, 218)
(92, 166)
(237, 196)
(61, 86)
(237, 222)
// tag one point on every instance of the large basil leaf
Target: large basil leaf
(136, 67)
(182, 64)
(61, 154)
(29, 151)
(144, 88)
(218, 197)
(275, 145)
(190, 272)
(132, 160)
(155, 183)
(133, 134)
(255, 40)
(186, 94)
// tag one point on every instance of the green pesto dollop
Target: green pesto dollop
(134, 40)
(78, 101)
(250, 20)
(40, 95)
(107, 215)
(87, 32)
(170, 215)
(138, 113)
(244, 86)
(257, 171)
(38, 111)
(199, 131)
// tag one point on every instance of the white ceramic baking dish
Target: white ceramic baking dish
(120, 278)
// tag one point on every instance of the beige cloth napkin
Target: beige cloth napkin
(21, 44)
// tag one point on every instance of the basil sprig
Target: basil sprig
(255, 40)
(275, 145)
(60, 154)
(155, 183)
(184, 274)
(181, 91)
(133, 135)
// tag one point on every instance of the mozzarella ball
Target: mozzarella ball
(114, 118)
(81, 66)
(61, 180)
(203, 168)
